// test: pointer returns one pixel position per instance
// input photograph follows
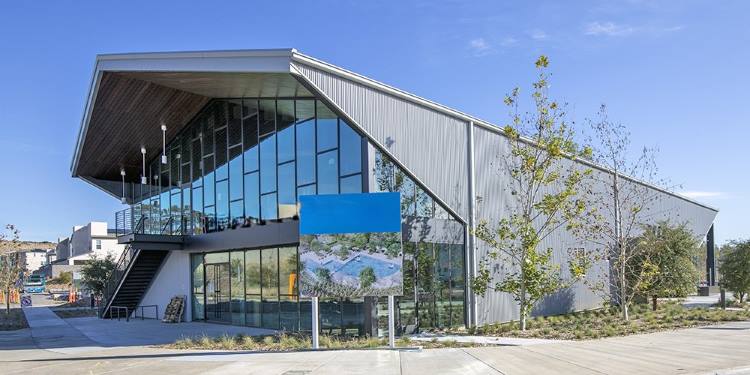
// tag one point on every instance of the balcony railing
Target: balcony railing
(149, 219)
(137, 220)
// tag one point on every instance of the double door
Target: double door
(218, 296)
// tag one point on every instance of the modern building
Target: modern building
(212, 215)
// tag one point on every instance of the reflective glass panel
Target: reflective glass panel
(237, 267)
(287, 197)
(252, 195)
(268, 207)
(235, 174)
(268, 164)
(351, 184)
(351, 150)
(285, 130)
(250, 135)
(267, 117)
(328, 181)
(222, 204)
(327, 127)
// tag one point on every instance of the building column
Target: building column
(710, 257)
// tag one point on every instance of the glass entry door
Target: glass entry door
(218, 293)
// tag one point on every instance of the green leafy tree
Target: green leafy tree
(11, 270)
(735, 268)
(96, 272)
(545, 187)
(670, 250)
(367, 277)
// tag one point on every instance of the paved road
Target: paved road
(692, 351)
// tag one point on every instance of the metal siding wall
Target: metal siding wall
(494, 201)
(432, 145)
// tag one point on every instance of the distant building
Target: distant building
(86, 241)
(51, 256)
(92, 239)
(33, 260)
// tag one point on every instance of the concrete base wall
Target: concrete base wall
(173, 279)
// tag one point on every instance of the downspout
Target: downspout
(473, 313)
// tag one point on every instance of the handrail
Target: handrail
(141, 307)
(119, 308)
(166, 225)
(115, 278)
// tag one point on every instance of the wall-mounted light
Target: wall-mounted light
(163, 144)
(144, 180)
(123, 199)
(179, 180)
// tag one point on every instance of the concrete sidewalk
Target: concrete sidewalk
(688, 351)
(50, 332)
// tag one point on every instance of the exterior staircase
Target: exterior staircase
(130, 280)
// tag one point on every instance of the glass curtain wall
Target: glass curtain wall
(434, 277)
(244, 161)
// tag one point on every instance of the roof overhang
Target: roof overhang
(132, 95)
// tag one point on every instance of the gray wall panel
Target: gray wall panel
(494, 202)
(430, 144)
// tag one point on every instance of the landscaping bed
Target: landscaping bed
(13, 321)
(290, 342)
(608, 322)
(74, 313)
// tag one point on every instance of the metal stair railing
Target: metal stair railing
(114, 282)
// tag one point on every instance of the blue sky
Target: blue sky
(675, 72)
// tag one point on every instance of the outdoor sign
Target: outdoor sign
(350, 245)
(25, 300)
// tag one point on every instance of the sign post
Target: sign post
(391, 322)
(315, 326)
(350, 247)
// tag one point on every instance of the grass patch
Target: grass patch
(296, 341)
(607, 322)
(74, 313)
(13, 321)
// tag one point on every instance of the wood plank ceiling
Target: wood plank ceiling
(128, 114)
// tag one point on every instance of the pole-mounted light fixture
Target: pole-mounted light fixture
(144, 180)
(163, 144)
(123, 199)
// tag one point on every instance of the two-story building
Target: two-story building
(211, 151)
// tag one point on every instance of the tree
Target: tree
(621, 206)
(367, 277)
(671, 250)
(11, 271)
(735, 268)
(545, 183)
(96, 272)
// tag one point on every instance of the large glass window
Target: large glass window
(248, 159)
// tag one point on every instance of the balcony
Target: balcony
(142, 231)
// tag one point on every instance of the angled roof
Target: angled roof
(132, 94)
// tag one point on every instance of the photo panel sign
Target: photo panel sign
(350, 245)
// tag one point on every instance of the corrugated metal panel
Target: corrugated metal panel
(430, 144)
(494, 201)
